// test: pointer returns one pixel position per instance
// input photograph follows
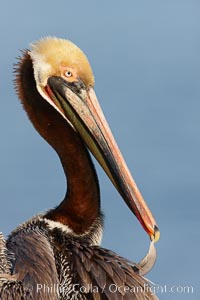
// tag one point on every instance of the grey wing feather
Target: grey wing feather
(106, 275)
(33, 268)
(147, 263)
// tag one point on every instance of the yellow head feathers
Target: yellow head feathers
(50, 54)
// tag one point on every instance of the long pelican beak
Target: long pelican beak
(80, 107)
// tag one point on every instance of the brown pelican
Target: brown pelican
(56, 255)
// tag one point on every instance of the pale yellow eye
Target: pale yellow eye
(68, 74)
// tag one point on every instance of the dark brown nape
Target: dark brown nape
(81, 205)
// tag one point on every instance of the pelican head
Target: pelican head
(65, 80)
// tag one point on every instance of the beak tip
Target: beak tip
(156, 235)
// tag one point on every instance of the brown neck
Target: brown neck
(81, 205)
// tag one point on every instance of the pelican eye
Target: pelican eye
(68, 74)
